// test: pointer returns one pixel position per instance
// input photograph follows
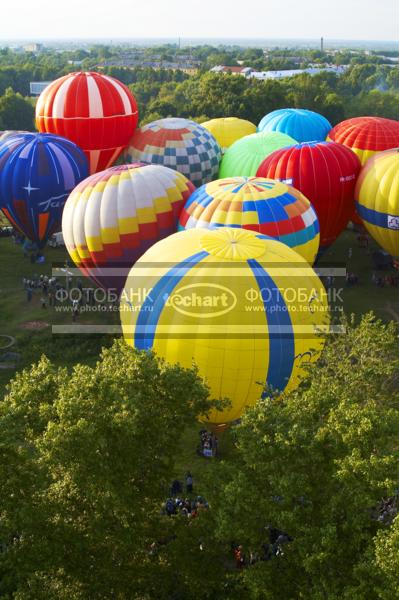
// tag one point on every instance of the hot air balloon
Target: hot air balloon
(303, 125)
(114, 216)
(228, 130)
(226, 300)
(366, 135)
(243, 158)
(8, 144)
(95, 111)
(326, 174)
(37, 172)
(4, 135)
(377, 196)
(269, 207)
(179, 144)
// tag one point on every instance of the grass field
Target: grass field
(16, 313)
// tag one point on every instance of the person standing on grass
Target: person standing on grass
(75, 310)
(29, 293)
(189, 483)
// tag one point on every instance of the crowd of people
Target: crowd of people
(386, 510)
(53, 292)
(47, 286)
(385, 280)
(277, 539)
(177, 505)
(208, 445)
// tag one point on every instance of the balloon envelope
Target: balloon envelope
(301, 124)
(366, 135)
(228, 130)
(95, 111)
(377, 195)
(4, 135)
(37, 172)
(263, 205)
(179, 144)
(243, 158)
(114, 216)
(326, 174)
(219, 299)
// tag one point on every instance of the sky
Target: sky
(335, 19)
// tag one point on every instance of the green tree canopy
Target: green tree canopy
(315, 464)
(16, 112)
(86, 463)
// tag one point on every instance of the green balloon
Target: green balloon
(244, 157)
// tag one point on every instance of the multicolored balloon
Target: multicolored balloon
(37, 172)
(227, 300)
(377, 199)
(95, 111)
(114, 216)
(326, 174)
(228, 130)
(366, 135)
(179, 144)
(263, 205)
(303, 125)
(243, 158)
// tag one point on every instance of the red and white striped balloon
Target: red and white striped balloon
(95, 111)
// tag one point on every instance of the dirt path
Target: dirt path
(392, 311)
(6, 341)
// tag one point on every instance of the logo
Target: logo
(53, 202)
(393, 222)
(202, 300)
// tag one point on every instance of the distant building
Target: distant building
(263, 75)
(244, 71)
(189, 67)
(36, 87)
(75, 63)
(34, 47)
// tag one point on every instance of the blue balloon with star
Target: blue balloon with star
(37, 173)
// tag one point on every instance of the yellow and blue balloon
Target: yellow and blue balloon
(245, 308)
(377, 199)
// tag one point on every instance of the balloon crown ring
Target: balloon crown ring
(232, 244)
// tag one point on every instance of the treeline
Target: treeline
(362, 90)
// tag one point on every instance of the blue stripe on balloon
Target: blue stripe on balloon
(268, 210)
(200, 197)
(373, 216)
(299, 237)
(154, 303)
(281, 333)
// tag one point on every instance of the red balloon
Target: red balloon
(326, 173)
(96, 112)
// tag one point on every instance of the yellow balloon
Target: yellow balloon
(228, 130)
(245, 308)
(377, 199)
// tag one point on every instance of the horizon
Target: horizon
(291, 42)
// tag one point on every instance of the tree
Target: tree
(387, 559)
(86, 463)
(314, 464)
(16, 112)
